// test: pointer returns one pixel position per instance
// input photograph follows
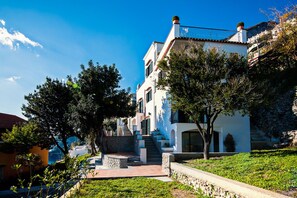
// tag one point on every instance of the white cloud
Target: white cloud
(2, 22)
(13, 78)
(14, 39)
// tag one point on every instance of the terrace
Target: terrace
(206, 33)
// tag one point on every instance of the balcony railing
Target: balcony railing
(206, 33)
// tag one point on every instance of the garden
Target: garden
(274, 170)
(136, 187)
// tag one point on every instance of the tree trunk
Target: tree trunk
(206, 150)
(92, 142)
(65, 151)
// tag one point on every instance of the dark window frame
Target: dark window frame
(149, 95)
(140, 106)
(149, 69)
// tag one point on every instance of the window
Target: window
(161, 75)
(149, 69)
(140, 106)
(149, 96)
(179, 117)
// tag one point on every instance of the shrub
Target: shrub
(166, 144)
(229, 143)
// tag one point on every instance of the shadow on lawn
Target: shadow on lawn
(278, 153)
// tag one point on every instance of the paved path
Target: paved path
(131, 171)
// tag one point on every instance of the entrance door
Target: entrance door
(148, 126)
(192, 142)
(145, 127)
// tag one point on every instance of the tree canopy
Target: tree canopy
(207, 83)
(98, 97)
(24, 136)
(48, 107)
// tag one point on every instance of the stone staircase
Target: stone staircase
(153, 154)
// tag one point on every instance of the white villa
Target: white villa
(154, 112)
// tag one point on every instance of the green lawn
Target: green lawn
(270, 169)
(135, 187)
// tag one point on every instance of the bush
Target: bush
(229, 143)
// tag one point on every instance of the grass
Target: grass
(269, 169)
(135, 187)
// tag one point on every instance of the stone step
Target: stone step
(154, 163)
(154, 155)
(152, 150)
(134, 163)
(154, 159)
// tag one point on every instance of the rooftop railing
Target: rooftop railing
(206, 33)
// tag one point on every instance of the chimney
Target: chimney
(175, 20)
(240, 26)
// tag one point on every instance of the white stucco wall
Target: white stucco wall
(239, 127)
(227, 47)
(149, 84)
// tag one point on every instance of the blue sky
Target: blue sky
(53, 38)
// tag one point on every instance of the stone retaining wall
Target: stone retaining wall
(212, 185)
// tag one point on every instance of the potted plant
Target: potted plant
(175, 20)
(166, 145)
(240, 26)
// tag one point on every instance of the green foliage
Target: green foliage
(110, 124)
(53, 181)
(29, 159)
(208, 81)
(23, 137)
(278, 65)
(277, 70)
(135, 187)
(48, 107)
(99, 97)
(229, 143)
(270, 169)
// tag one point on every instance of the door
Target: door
(192, 142)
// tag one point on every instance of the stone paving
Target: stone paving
(101, 172)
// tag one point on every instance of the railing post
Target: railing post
(176, 30)
(243, 36)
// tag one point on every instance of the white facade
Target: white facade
(156, 107)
